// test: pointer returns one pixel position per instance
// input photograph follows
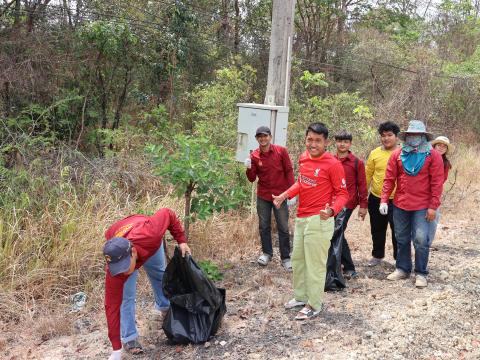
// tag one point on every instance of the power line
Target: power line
(394, 66)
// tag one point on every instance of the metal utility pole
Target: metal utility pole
(281, 39)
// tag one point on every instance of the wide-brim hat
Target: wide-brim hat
(416, 127)
(444, 140)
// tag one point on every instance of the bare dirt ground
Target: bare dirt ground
(371, 319)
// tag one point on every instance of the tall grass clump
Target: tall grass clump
(462, 189)
(54, 211)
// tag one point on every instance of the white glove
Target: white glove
(292, 202)
(248, 163)
(116, 355)
(383, 208)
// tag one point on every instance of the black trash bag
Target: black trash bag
(197, 306)
(334, 280)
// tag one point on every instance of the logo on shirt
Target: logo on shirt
(316, 172)
(260, 163)
(344, 184)
(123, 230)
(307, 180)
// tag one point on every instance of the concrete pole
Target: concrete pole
(281, 39)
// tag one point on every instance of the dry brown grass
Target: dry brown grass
(52, 326)
(462, 190)
(51, 257)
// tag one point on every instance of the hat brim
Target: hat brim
(262, 133)
(401, 135)
(120, 266)
(450, 147)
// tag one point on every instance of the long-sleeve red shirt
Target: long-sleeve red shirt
(354, 169)
(145, 233)
(274, 171)
(321, 181)
(418, 192)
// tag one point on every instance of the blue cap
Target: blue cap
(118, 253)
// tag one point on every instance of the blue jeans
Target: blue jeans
(154, 267)
(264, 211)
(432, 229)
(411, 226)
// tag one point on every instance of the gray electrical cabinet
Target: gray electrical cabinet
(250, 117)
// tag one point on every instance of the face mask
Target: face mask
(413, 140)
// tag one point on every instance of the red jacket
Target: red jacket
(320, 181)
(418, 192)
(274, 171)
(354, 169)
(145, 233)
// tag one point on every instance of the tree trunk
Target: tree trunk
(17, 12)
(68, 13)
(186, 220)
(121, 100)
(236, 42)
(6, 97)
(103, 98)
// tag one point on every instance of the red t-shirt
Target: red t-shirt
(354, 169)
(321, 181)
(145, 233)
(418, 192)
(274, 171)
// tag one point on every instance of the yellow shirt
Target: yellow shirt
(375, 170)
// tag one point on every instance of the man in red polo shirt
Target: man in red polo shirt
(272, 166)
(131, 243)
(357, 190)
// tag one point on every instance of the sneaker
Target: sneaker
(307, 313)
(264, 259)
(287, 264)
(291, 304)
(374, 261)
(397, 275)
(420, 281)
(133, 347)
(350, 274)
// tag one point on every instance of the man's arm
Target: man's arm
(291, 192)
(369, 170)
(436, 180)
(390, 179)
(337, 177)
(113, 301)
(175, 227)
(252, 171)
(362, 185)
(288, 168)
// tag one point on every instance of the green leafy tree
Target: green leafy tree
(201, 174)
(215, 103)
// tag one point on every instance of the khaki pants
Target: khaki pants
(309, 258)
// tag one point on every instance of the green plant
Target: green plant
(211, 270)
(201, 173)
(215, 103)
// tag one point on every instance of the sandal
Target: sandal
(264, 259)
(293, 303)
(133, 347)
(307, 313)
